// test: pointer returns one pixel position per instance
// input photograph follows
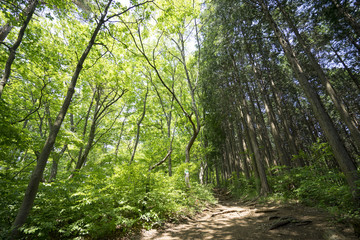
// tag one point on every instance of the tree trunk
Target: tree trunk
(243, 157)
(284, 119)
(11, 57)
(338, 102)
(284, 158)
(353, 23)
(264, 136)
(265, 189)
(120, 136)
(83, 156)
(343, 158)
(250, 149)
(217, 174)
(4, 31)
(32, 188)
(55, 163)
(352, 76)
(138, 127)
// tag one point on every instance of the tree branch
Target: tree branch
(161, 162)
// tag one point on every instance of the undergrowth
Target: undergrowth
(318, 184)
(103, 204)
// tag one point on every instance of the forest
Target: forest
(120, 115)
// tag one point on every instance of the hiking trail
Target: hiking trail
(237, 220)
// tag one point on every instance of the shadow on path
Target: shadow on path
(231, 220)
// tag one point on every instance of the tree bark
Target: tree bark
(290, 136)
(265, 189)
(120, 136)
(355, 26)
(336, 99)
(245, 160)
(138, 127)
(4, 31)
(343, 158)
(352, 76)
(14, 47)
(196, 127)
(32, 188)
(55, 163)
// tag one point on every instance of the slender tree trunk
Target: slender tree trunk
(196, 127)
(352, 76)
(284, 158)
(264, 136)
(244, 159)
(309, 120)
(120, 136)
(284, 118)
(353, 23)
(82, 158)
(11, 57)
(55, 163)
(32, 188)
(250, 149)
(217, 174)
(338, 102)
(138, 127)
(171, 142)
(343, 158)
(4, 31)
(265, 189)
(353, 41)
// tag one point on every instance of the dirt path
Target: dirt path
(234, 220)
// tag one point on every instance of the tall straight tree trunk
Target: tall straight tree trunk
(36, 176)
(244, 159)
(284, 158)
(284, 118)
(251, 153)
(265, 189)
(241, 152)
(356, 80)
(350, 19)
(217, 173)
(14, 47)
(343, 158)
(264, 135)
(336, 99)
(309, 121)
(277, 100)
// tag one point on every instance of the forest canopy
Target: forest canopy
(118, 115)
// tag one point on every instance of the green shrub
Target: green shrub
(96, 205)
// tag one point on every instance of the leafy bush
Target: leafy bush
(241, 187)
(98, 205)
(320, 183)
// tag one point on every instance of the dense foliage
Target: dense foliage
(281, 96)
(105, 104)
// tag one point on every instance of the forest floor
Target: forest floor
(231, 219)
